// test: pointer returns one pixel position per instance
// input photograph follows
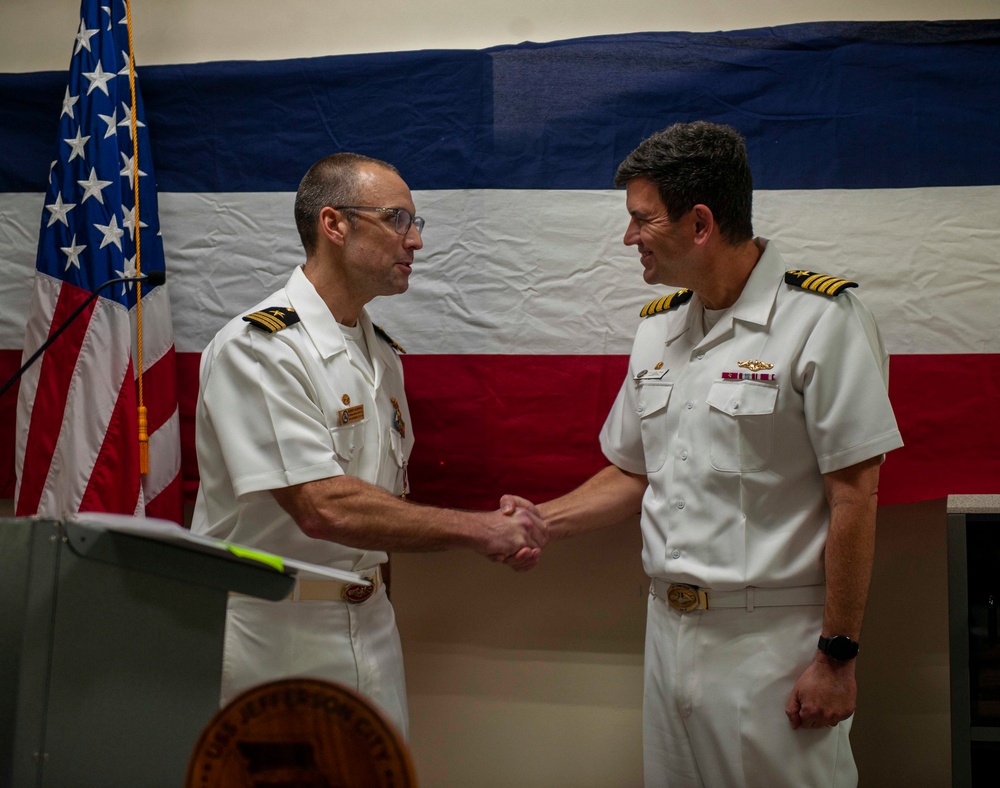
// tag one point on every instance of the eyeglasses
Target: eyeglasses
(402, 217)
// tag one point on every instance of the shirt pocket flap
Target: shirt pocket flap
(745, 398)
(652, 398)
(346, 441)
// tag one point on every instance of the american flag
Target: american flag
(77, 445)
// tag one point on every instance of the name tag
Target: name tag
(351, 415)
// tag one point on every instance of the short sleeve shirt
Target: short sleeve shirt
(735, 465)
(294, 406)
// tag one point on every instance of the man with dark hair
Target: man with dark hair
(303, 438)
(749, 433)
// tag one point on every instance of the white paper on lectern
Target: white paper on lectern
(169, 531)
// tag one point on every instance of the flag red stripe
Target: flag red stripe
(114, 479)
(159, 390)
(166, 505)
(187, 403)
(57, 366)
(538, 417)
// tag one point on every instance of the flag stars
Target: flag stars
(76, 146)
(112, 121)
(68, 102)
(112, 233)
(98, 79)
(129, 271)
(128, 168)
(93, 186)
(127, 122)
(128, 64)
(72, 253)
(59, 209)
(83, 38)
(128, 221)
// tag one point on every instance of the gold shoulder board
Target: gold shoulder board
(671, 301)
(392, 342)
(272, 319)
(819, 283)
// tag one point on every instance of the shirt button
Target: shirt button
(701, 356)
(680, 504)
(675, 554)
(690, 404)
(684, 455)
(639, 409)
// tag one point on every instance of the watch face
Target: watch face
(840, 647)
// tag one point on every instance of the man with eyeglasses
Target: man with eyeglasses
(303, 439)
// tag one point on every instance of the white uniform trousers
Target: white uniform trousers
(354, 644)
(716, 685)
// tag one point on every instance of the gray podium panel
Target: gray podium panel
(110, 652)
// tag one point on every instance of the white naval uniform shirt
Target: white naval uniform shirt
(269, 416)
(735, 494)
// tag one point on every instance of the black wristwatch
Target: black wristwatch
(839, 647)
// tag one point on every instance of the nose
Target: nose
(412, 239)
(631, 233)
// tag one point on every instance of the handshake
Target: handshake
(514, 534)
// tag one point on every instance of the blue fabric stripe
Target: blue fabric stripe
(829, 105)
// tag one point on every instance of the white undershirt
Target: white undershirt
(357, 346)
(710, 317)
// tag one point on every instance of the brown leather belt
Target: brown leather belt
(686, 598)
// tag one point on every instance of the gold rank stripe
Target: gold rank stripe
(268, 320)
(670, 301)
(818, 283)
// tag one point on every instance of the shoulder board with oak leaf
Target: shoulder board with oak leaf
(272, 319)
(392, 342)
(666, 302)
(818, 283)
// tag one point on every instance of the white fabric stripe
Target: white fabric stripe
(93, 392)
(44, 297)
(164, 457)
(157, 328)
(545, 272)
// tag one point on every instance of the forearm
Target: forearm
(607, 498)
(354, 513)
(850, 548)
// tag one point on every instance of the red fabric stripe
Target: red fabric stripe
(489, 425)
(114, 480)
(528, 424)
(159, 391)
(187, 402)
(54, 379)
(167, 505)
(946, 408)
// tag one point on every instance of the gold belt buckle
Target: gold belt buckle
(684, 598)
(356, 593)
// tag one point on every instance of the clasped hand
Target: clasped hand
(524, 534)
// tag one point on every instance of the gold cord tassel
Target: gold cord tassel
(143, 441)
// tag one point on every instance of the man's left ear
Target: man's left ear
(333, 224)
(704, 223)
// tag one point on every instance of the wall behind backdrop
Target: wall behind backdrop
(536, 680)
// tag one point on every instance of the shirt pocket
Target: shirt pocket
(348, 440)
(741, 425)
(651, 408)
